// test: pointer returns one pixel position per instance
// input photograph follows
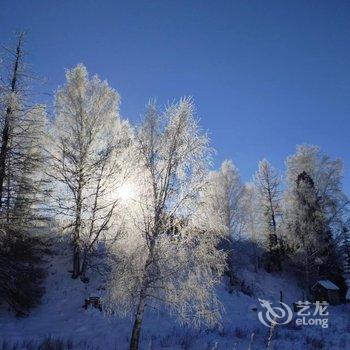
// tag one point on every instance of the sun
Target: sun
(125, 192)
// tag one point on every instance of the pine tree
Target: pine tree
(314, 209)
(21, 155)
(313, 252)
(21, 162)
(327, 175)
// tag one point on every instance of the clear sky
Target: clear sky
(265, 75)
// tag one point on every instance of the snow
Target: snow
(328, 284)
(61, 316)
(347, 297)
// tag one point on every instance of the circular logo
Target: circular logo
(274, 314)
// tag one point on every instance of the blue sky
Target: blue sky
(265, 75)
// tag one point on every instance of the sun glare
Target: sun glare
(126, 192)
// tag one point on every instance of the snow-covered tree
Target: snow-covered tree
(310, 238)
(85, 146)
(346, 258)
(224, 204)
(11, 97)
(168, 255)
(315, 207)
(24, 176)
(226, 192)
(346, 250)
(327, 175)
(22, 128)
(253, 220)
(267, 184)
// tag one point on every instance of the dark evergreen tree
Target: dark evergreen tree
(313, 249)
(21, 272)
(21, 163)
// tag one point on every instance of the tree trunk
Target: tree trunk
(8, 191)
(3, 153)
(76, 261)
(136, 330)
(231, 263)
(274, 249)
(76, 237)
(84, 266)
(6, 129)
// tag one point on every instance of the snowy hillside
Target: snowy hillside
(125, 234)
(61, 320)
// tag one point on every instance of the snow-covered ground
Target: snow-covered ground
(62, 317)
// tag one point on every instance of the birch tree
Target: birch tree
(267, 183)
(225, 203)
(168, 255)
(86, 139)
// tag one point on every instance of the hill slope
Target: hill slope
(61, 319)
